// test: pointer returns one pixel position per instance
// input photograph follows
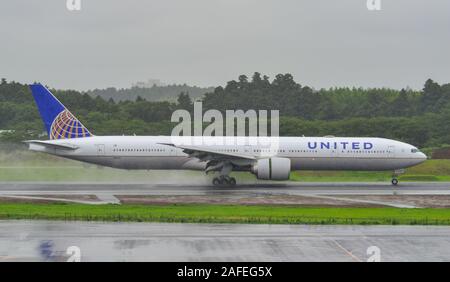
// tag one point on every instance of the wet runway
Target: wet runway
(191, 189)
(50, 240)
(106, 191)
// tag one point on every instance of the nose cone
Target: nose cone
(421, 157)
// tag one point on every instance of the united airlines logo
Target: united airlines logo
(341, 145)
(66, 126)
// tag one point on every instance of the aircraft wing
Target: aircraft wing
(208, 154)
(52, 145)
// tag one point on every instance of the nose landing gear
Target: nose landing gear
(394, 181)
(395, 175)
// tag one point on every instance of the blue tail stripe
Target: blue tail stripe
(48, 106)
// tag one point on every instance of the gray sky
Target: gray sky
(323, 43)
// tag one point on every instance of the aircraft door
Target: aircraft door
(100, 149)
(391, 151)
(334, 156)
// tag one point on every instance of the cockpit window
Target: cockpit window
(414, 150)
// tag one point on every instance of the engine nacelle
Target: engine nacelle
(272, 169)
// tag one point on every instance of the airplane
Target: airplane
(68, 138)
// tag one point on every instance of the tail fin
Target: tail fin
(59, 121)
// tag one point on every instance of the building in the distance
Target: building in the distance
(149, 83)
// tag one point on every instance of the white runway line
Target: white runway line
(54, 199)
(355, 258)
(107, 198)
(382, 203)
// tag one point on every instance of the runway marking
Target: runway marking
(395, 205)
(108, 198)
(349, 253)
(40, 167)
(55, 199)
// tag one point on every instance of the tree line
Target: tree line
(418, 117)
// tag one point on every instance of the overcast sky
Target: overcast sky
(323, 43)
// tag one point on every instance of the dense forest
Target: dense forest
(418, 117)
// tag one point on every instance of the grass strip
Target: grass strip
(205, 213)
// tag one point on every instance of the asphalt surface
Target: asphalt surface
(49, 241)
(106, 191)
(424, 188)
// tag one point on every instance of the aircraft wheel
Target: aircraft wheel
(224, 180)
(216, 181)
(394, 181)
(232, 181)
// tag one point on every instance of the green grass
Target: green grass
(431, 167)
(196, 213)
(431, 170)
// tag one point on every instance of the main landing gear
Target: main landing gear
(224, 180)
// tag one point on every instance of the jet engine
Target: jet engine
(272, 168)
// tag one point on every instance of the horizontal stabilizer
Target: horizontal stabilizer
(52, 145)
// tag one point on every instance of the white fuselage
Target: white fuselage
(305, 153)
